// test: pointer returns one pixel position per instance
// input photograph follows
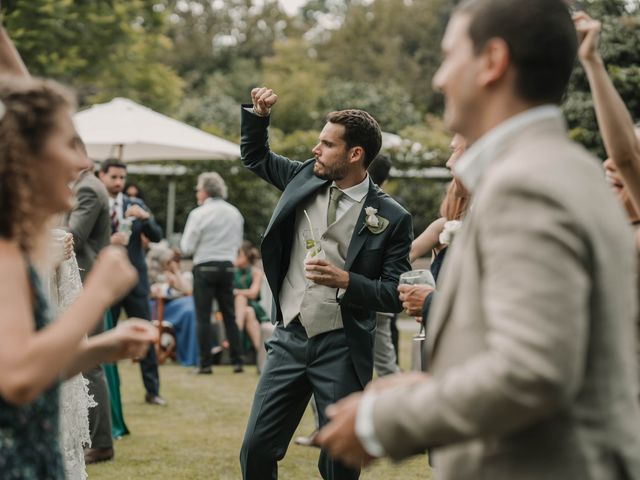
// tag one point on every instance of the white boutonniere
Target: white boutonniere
(374, 222)
(449, 231)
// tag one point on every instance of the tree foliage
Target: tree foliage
(101, 49)
(197, 60)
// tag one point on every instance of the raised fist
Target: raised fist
(263, 99)
(588, 33)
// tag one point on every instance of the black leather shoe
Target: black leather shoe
(155, 400)
(238, 368)
(95, 455)
(203, 371)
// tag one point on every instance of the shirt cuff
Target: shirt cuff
(365, 429)
(253, 111)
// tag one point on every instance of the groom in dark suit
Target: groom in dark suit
(332, 254)
(132, 211)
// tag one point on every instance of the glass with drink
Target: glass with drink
(418, 277)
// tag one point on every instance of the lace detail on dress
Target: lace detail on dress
(75, 400)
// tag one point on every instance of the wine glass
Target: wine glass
(418, 277)
(125, 227)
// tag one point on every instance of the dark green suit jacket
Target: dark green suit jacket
(374, 262)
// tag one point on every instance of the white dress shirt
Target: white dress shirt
(351, 195)
(213, 232)
(469, 168)
(120, 200)
(475, 161)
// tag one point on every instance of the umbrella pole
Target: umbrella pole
(171, 208)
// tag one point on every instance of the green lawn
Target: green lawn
(198, 435)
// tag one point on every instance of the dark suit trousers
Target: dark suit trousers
(296, 367)
(138, 306)
(215, 280)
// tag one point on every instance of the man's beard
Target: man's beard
(335, 172)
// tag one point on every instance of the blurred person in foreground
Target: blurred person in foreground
(212, 235)
(532, 372)
(130, 221)
(39, 159)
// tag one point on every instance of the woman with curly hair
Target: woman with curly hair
(39, 159)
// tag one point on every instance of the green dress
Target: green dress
(118, 427)
(242, 280)
(29, 448)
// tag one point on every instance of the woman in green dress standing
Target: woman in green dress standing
(39, 158)
(247, 284)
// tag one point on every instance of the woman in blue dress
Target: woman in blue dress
(39, 158)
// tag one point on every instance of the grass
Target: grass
(198, 435)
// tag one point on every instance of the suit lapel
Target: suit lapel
(126, 202)
(360, 233)
(300, 187)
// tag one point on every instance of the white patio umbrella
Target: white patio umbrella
(131, 132)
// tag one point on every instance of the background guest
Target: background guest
(133, 190)
(213, 234)
(90, 226)
(175, 288)
(134, 214)
(247, 285)
(437, 237)
(385, 356)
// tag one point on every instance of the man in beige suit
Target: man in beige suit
(531, 346)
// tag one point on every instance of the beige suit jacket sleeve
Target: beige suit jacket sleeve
(535, 287)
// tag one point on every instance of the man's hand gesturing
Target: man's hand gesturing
(263, 99)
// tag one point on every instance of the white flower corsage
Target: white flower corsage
(449, 231)
(374, 222)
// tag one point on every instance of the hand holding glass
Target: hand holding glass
(313, 245)
(418, 277)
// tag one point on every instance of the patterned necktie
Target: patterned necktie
(334, 198)
(115, 222)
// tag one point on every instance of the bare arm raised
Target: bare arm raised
(618, 132)
(10, 61)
